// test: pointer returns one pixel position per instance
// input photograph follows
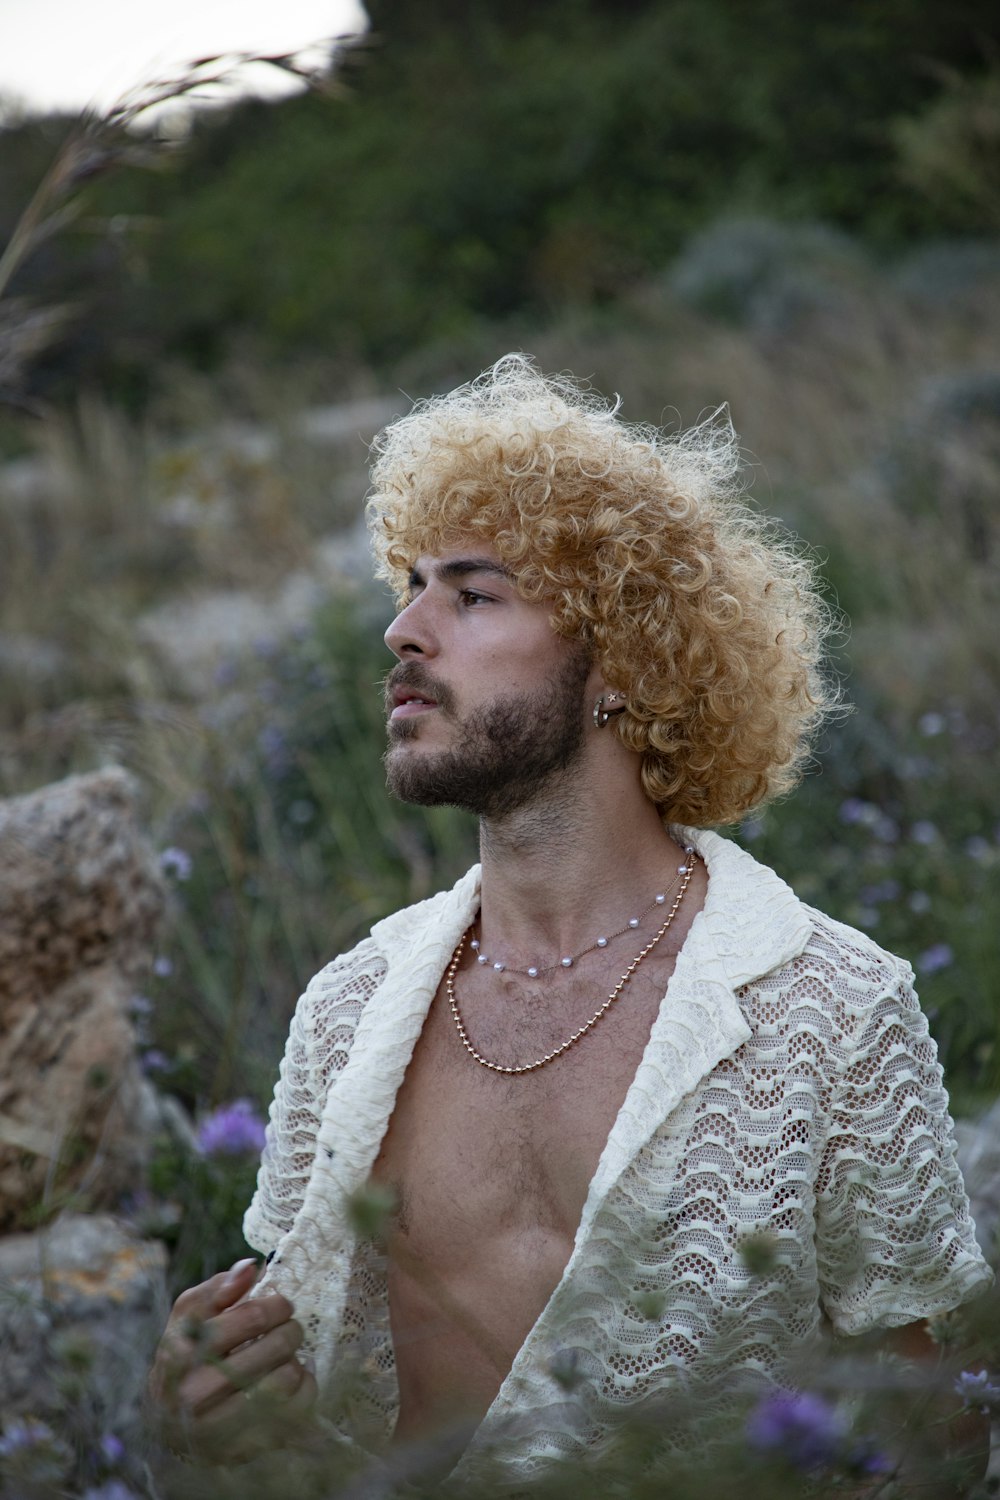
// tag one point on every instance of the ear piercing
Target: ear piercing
(603, 710)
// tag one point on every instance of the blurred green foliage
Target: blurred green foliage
(491, 161)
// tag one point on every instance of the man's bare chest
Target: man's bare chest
(474, 1155)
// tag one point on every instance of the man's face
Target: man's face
(487, 704)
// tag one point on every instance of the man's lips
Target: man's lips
(408, 703)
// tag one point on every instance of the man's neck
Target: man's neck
(558, 871)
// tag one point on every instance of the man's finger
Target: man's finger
(269, 1396)
(235, 1326)
(209, 1384)
(209, 1297)
(191, 1339)
(243, 1426)
(185, 1334)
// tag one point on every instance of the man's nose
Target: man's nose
(411, 634)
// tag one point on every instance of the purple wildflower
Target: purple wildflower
(855, 810)
(935, 958)
(176, 862)
(804, 1428)
(882, 890)
(977, 1391)
(924, 832)
(112, 1449)
(31, 1449)
(162, 967)
(22, 1434)
(112, 1489)
(932, 724)
(885, 829)
(274, 749)
(155, 1061)
(232, 1130)
(978, 848)
(919, 902)
(869, 1462)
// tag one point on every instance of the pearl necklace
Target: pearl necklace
(534, 971)
(494, 1067)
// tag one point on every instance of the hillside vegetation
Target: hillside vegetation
(480, 161)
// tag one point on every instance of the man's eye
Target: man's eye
(470, 596)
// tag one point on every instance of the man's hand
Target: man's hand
(226, 1384)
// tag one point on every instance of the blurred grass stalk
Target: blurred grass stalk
(128, 133)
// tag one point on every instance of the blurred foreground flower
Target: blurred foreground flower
(232, 1130)
(564, 1367)
(113, 1489)
(111, 1448)
(977, 1391)
(31, 1453)
(759, 1253)
(176, 862)
(371, 1208)
(804, 1429)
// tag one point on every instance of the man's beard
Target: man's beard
(509, 750)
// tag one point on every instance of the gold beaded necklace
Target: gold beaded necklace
(494, 1067)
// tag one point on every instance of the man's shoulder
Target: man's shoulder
(837, 947)
(762, 929)
(356, 974)
(841, 984)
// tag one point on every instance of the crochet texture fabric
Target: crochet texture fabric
(789, 1089)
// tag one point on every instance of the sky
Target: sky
(68, 54)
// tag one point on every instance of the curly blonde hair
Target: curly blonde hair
(698, 609)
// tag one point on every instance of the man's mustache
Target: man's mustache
(410, 674)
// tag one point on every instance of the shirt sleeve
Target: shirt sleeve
(290, 1144)
(895, 1240)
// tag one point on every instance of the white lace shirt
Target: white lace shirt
(789, 1089)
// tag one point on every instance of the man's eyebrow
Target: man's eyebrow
(461, 567)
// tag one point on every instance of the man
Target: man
(618, 1050)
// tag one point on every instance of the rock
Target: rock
(82, 1303)
(80, 900)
